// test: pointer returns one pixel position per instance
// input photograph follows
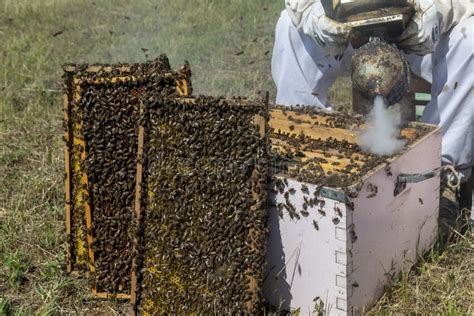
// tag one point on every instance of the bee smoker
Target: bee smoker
(378, 68)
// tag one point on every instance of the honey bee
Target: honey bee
(304, 189)
(315, 225)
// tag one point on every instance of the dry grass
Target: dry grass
(441, 284)
(209, 34)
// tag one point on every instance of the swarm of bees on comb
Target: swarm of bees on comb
(329, 160)
(198, 244)
(103, 106)
(110, 131)
(204, 224)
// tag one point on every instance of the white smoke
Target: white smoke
(382, 130)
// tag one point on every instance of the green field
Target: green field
(229, 45)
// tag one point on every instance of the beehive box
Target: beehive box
(102, 104)
(204, 215)
(340, 227)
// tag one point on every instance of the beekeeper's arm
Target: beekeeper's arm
(309, 17)
(432, 18)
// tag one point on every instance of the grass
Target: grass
(441, 284)
(37, 37)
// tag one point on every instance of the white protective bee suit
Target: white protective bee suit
(306, 62)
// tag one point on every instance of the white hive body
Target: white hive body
(360, 244)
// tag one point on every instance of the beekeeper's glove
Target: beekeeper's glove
(309, 17)
(422, 34)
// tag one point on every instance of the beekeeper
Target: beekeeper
(311, 50)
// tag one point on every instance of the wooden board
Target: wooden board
(309, 127)
(67, 166)
(138, 210)
(313, 126)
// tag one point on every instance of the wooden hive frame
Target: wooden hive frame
(260, 121)
(316, 126)
(73, 136)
